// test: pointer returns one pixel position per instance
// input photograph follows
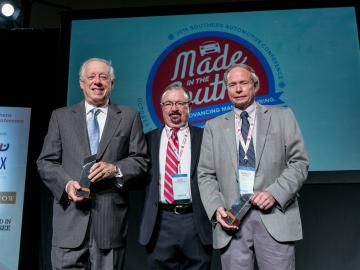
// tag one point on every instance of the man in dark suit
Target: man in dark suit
(174, 226)
(92, 229)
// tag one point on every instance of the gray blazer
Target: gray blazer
(65, 147)
(281, 168)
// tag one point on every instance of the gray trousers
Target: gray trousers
(252, 241)
(87, 256)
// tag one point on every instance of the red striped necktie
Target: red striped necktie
(171, 165)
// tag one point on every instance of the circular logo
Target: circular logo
(198, 63)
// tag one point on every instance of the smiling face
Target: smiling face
(96, 83)
(175, 107)
(241, 88)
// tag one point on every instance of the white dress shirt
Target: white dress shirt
(101, 117)
(251, 110)
(185, 151)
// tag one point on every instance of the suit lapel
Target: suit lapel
(155, 149)
(112, 122)
(230, 139)
(263, 117)
(195, 145)
(81, 127)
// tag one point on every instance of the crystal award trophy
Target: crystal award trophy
(84, 191)
(238, 210)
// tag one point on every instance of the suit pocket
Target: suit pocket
(119, 200)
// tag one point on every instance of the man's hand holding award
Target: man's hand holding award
(84, 190)
(238, 210)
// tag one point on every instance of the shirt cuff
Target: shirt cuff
(118, 172)
(67, 186)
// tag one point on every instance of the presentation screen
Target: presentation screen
(307, 58)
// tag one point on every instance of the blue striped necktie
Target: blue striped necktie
(249, 161)
(94, 131)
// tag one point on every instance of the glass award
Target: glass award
(84, 190)
(238, 210)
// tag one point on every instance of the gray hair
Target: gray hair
(253, 77)
(174, 87)
(107, 62)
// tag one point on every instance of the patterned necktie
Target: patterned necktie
(171, 165)
(94, 131)
(250, 155)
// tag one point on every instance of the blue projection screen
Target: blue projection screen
(307, 59)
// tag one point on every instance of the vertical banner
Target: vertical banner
(14, 136)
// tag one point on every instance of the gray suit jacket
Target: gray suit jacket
(281, 168)
(65, 147)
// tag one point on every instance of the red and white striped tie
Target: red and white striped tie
(171, 165)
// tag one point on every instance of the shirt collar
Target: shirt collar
(89, 107)
(250, 110)
(169, 129)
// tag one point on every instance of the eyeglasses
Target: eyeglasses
(241, 83)
(178, 104)
(102, 77)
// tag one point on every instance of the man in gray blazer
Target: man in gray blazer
(92, 229)
(258, 150)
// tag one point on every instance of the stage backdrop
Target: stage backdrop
(14, 135)
(307, 59)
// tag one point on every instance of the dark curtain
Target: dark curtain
(30, 78)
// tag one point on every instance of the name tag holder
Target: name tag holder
(181, 188)
(246, 180)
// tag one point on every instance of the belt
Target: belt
(178, 209)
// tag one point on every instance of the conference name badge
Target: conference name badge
(181, 187)
(246, 179)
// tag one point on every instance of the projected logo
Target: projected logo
(4, 147)
(198, 63)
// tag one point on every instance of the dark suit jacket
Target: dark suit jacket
(150, 214)
(65, 147)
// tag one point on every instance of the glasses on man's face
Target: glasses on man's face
(233, 85)
(177, 104)
(102, 77)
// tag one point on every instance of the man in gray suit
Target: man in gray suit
(92, 230)
(258, 150)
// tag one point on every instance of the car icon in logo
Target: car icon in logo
(209, 47)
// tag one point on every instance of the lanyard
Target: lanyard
(245, 145)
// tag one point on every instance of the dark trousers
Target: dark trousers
(175, 244)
